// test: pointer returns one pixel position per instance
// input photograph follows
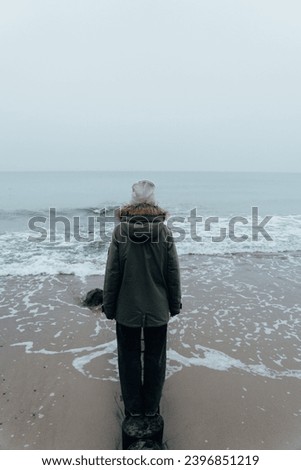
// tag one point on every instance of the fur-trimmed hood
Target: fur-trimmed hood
(141, 223)
(149, 211)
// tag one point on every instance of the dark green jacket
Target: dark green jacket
(142, 279)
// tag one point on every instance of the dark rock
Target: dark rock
(94, 298)
(145, 445)
(142, 429)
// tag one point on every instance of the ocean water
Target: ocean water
(61, 222)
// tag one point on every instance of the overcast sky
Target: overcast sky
(150, 84)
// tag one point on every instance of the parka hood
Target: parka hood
(143, 209)
(141, 223)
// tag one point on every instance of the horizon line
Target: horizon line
(151, 171)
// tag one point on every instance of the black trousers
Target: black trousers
(141, 386)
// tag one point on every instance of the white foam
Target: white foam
(81, 362)
(203, 357)
(285, 232)
(212, 359)
(217, 360)
(19, 256)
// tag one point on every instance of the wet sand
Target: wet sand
(234, 360)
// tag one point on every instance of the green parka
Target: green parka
(142, 278)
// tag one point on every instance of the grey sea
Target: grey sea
(234, 352)
(47, 245)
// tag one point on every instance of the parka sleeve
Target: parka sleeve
(173, 279)
(112, 281)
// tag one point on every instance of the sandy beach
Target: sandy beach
(234, 355)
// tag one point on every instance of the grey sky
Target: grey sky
(150, 84)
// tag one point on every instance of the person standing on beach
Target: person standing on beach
(141, 291)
